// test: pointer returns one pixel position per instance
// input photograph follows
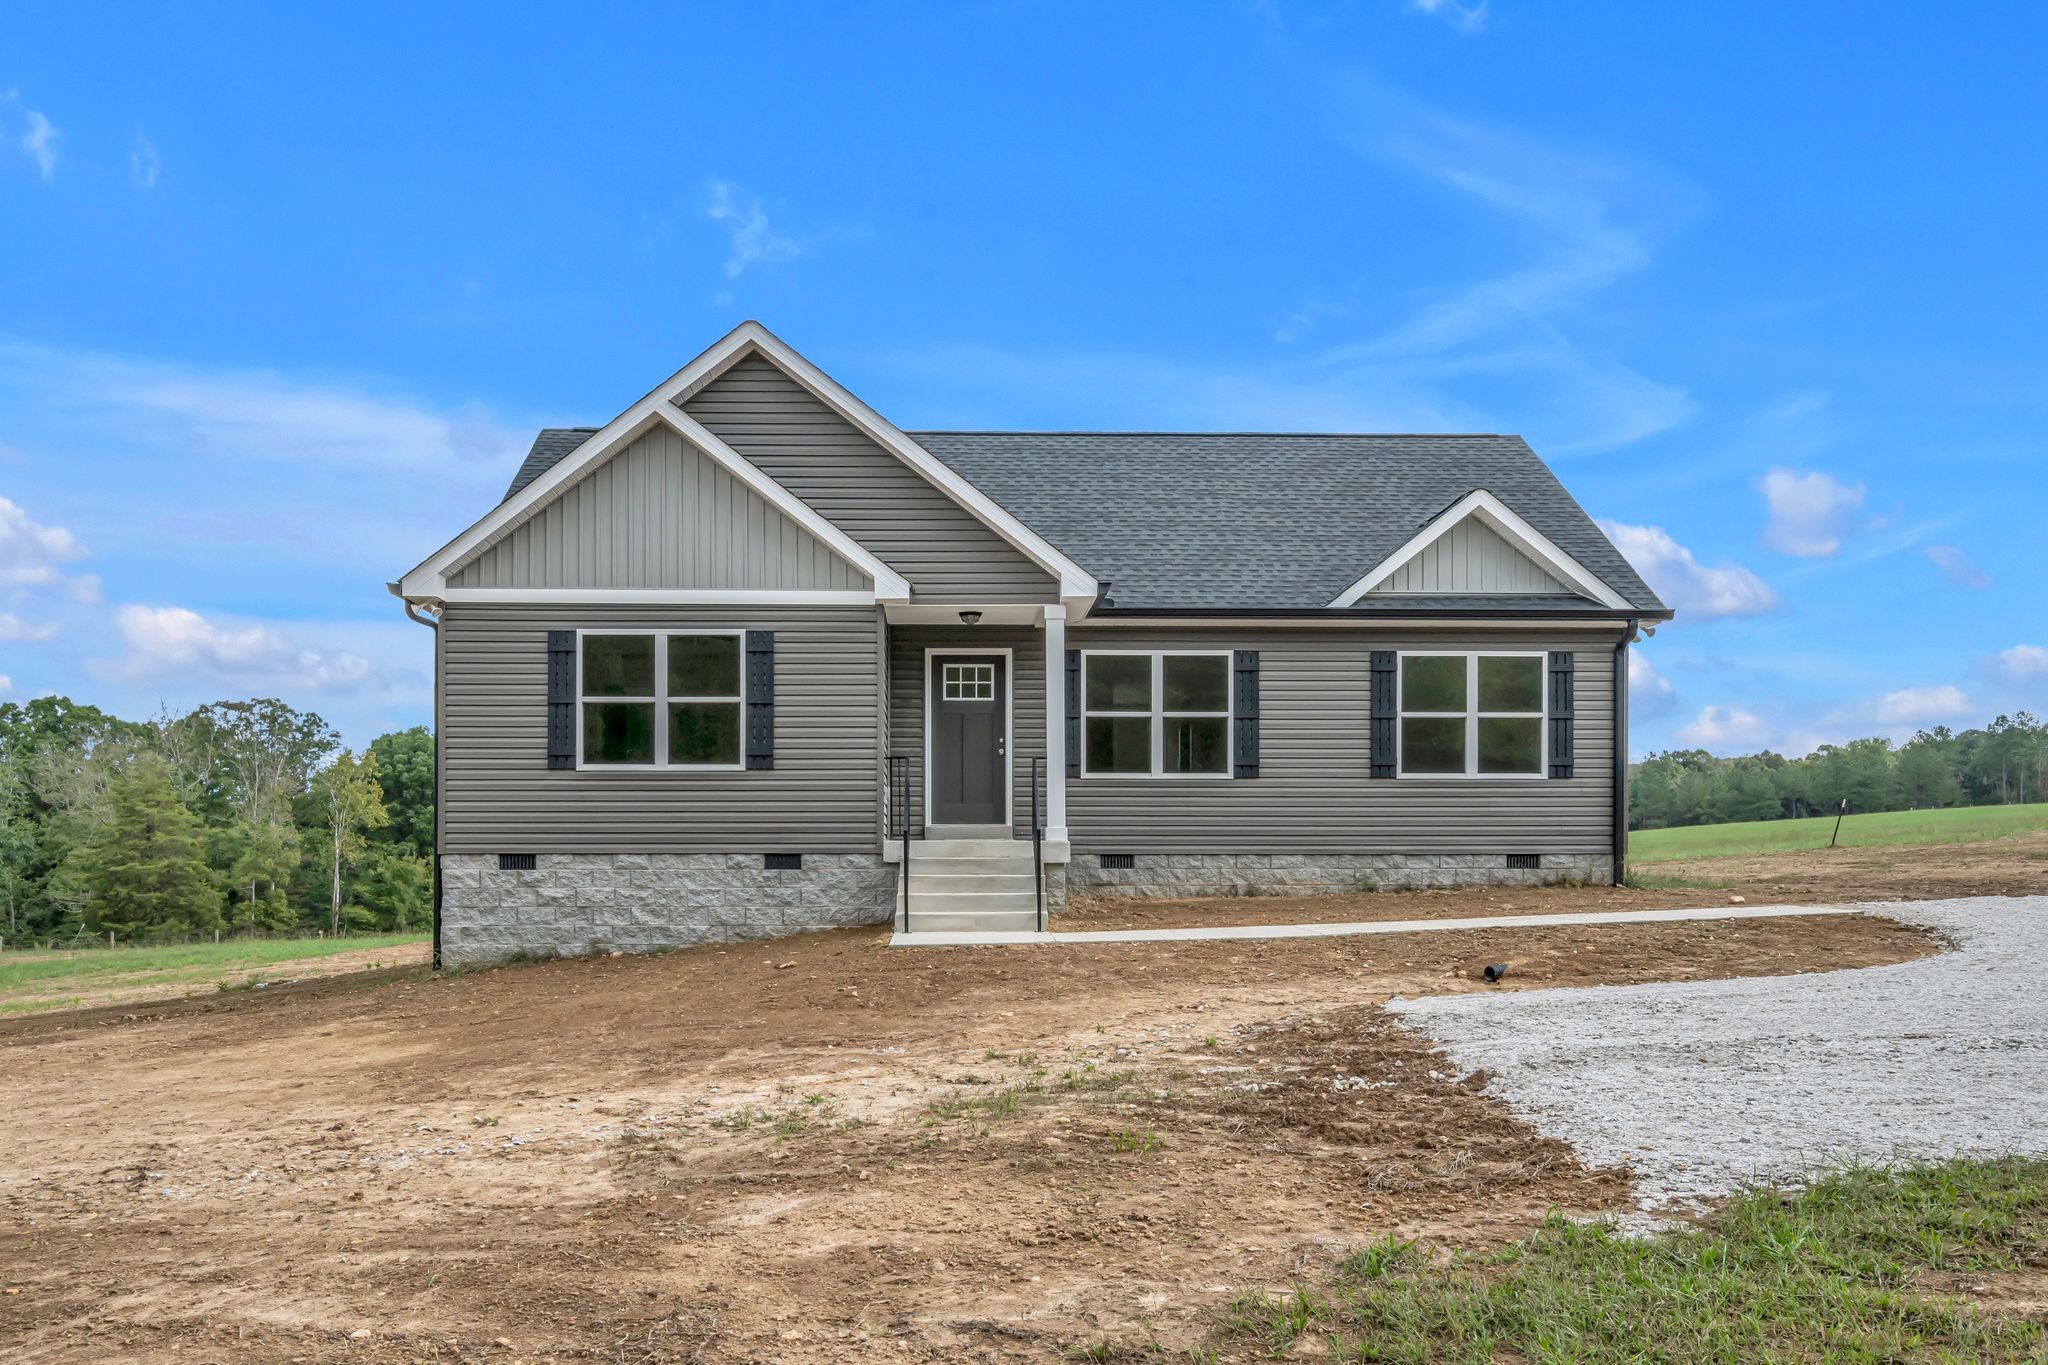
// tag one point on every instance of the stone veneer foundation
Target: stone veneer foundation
(571, 904)
(1170, 876)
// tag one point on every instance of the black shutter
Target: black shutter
(561, 699)
(1245, 756)
(1073, 713)
(1560, 713)
(1385, 707)
(760, 699)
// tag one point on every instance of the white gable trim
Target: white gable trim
(751, 337)
(1504, 522)
(430, 579)
(662, 404)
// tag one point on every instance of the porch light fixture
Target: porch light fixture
(970, 618)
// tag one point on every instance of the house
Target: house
(748, 659)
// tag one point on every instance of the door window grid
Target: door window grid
(969, 682)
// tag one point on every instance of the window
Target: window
(1471, 715)
(1155, 715)
(661, 701)
(969, 682)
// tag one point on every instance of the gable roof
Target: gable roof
(1259, 521)
(550, 447)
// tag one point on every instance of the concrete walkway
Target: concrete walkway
(967, 939)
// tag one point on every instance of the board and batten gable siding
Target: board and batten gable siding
(1314, 792)
(907, 646)
(659, 514)
(498, 795)
(906, 521)
(1471, 557)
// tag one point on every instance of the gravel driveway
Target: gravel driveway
(1704, 1086)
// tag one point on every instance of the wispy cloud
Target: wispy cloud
(32, 555)
(1464, 18)
(1697, 591)
(39, 137)
(1724, 729)
(1922, 705)
(177, 643)
(1810, 512)
(752, 240)
(1956, 566)
(143, 162)
(14, 629)
(2021, 662)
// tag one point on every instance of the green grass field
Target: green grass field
(33, 981)
(1843, 1272)
(1963, 825)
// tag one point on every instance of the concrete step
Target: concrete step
(920, 849)
(976, 902)
(924, 883)
(973, 921)
(1005, 865)
(969, 832)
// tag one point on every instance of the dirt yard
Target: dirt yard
(2002, 867)
(811, 1150)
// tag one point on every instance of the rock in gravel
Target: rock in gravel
(1705, 1086)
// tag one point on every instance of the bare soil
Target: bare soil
(809, 1150)
(2004, 867)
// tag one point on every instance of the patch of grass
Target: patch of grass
(1824, 1275)
(79, 970)
(1657, 881)
(1135, 1141)
(1960, 825)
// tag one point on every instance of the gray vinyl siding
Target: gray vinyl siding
(499, 796)
(907, 645)
(1472, 558)
(946, 553)
(659, 514)
(1313, 793)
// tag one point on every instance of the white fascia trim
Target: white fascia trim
(1507, 524)
(682, 597)
(429, 579)
(1074, 580)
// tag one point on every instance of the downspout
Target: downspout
(430, 623)
(1628, 637)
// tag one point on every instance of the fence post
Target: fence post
(110, 938)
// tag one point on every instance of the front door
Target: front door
(970, 712)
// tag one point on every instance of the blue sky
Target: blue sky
(282, 300)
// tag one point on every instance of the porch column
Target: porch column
(1055, 723)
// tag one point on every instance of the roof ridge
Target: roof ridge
(1291, 435)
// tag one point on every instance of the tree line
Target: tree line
(237, 817)
(2005, 762)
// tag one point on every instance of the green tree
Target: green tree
(405, 772)
(1923, 775)
(145, 870)
(392, 889)
(350, 802)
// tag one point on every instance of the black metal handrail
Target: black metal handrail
(1037, 843)
(897, 820)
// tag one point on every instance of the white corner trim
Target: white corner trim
(752, 336)
(429, 579)
(1509, 526)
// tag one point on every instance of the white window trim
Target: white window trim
(1159, 715)
(1472, 715)
(661, 702)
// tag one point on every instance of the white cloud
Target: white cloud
(1810, 511)
(1956, 566)
(14, 629)
(1722, 728)
(1685, 584)
(1644, 679)
(1920, 705)
(2021, 661)
(39, 136)
(143, 163)
(30, 552)
(252, 656)
(1464, 18)
(745, 220)
(6, 685)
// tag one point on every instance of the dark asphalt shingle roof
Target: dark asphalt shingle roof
(1257, 520)
(1246, 520)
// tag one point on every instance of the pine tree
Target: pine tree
(145, 870)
